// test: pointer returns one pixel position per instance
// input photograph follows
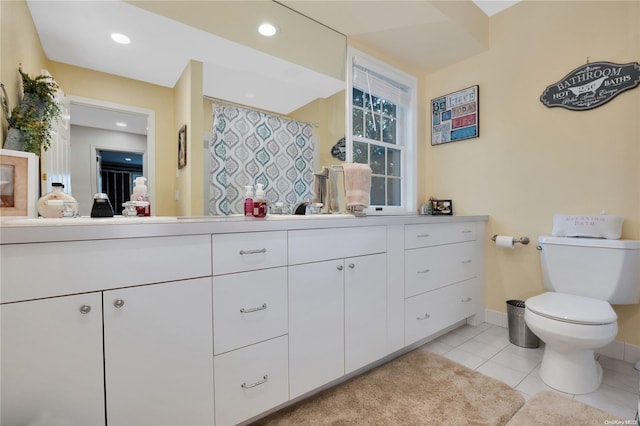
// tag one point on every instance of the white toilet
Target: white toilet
(574, 318)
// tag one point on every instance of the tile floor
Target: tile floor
(486, 348)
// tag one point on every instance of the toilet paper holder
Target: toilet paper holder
(521, 240)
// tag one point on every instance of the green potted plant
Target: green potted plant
(30, 121)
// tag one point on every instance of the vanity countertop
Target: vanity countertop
(50, 230)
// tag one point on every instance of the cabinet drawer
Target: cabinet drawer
(430, 268)
(32, 271)
(249, 307)
(433, 234)
(431, 312)
(248, 252)
(250, 380)
(315, 245)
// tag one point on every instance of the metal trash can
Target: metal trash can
(519, 333)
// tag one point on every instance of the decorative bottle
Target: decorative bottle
(57, 203)
(248, 201)
(259, 202)
(141, 197)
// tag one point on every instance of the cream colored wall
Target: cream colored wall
(531, 161)
(16, 24)
(189, 111)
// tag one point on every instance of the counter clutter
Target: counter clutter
(275, 308)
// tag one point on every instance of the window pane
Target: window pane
(377, 161)
(393, 192)
(371, 132)
(373, 100)
(388, 108)
(358, 96)
(389, 130)
(377, 191)
(360, 152)
(393, 162)
(358, 122)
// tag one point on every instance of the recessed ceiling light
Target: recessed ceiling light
(120, 38)
(121, 124)
(267, 29)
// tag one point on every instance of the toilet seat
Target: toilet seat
(571, 308)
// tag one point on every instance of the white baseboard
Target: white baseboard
(617, 350)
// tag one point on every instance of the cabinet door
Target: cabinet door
(158, 349)
(316, 325)
(51, 361)
(365, 310)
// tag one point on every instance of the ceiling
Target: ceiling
(73, 32)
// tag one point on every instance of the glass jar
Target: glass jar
(57, 203)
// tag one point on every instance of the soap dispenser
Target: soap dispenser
(248, 201)
(140, 197)
(259, 202)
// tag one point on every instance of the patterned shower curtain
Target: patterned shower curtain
(250, 147)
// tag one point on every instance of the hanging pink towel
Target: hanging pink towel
(357, 185)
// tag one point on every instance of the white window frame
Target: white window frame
(409, 161)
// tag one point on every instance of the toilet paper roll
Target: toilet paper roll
(505, 241)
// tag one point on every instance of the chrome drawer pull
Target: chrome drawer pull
(468, 299)
(249, 310)
(265, 378)
(423, 235)
(424, 271)
(426, 316)
(262, 250)
(118, 303)
(339, 267)
(467, 261)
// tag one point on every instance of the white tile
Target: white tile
(481, 349)
(626, 381)
(465, 358)
(452, 339)
(495, 317)
(533, 384)
(515, 361)
(502, 373)
(436, 347)
(631, 353)
(616, 365)
(530, 353)
(468, 331)
(493, 338)
(615, 401)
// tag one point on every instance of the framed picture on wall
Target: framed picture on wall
(441, 208)
(18, 183)
(182, 147)
(455, 117)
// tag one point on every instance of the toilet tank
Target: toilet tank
(603, 269)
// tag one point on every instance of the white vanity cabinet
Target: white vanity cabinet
(250, 324)
(151, 364)
(51, 361)
(442, 265)
(337, 304)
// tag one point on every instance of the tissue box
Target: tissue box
(593, 226)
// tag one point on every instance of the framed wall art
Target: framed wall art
(441, 207)
(455, 117)
(182, 146)
(18, 183)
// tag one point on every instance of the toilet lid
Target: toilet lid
(571, 308)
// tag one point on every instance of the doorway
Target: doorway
(116, 172)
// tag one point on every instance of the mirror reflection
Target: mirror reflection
(297, 74)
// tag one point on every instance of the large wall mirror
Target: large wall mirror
(297, 73)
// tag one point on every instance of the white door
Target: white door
(51, 361)
(159, 354)
(316, 325)
(365, 308)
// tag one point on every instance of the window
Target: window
(382, 123)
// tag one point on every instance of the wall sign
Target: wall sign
(591, 85)
(454, 117)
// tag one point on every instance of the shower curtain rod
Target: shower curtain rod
(235, 104)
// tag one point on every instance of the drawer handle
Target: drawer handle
(249, 310)
(339, 267)
(85, 309)
(352, 265)
(118, 303)
(426, 316)
(467, 261)
(423, 235)
(467, 231)
(424, 271)
(265, 378)
(468, 299)
(262, 250)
